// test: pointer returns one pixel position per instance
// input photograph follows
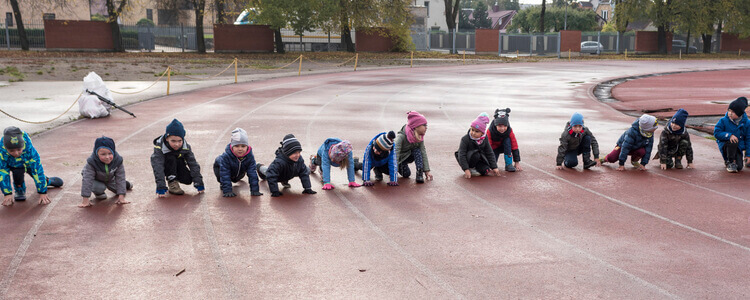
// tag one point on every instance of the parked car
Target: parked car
(678, 45)
(591, 47)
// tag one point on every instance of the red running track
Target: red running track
(538, 233)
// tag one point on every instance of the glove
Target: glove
(161, 192)
(309, 192)
(256, 193)
(392, 183)
(368, 183)
(230, 194)
(276, 194)
(328, 186)
(354, 184)
(200, 188)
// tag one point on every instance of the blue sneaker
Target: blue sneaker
(54, 182)
(20, 196)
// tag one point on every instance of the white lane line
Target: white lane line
(702, 187)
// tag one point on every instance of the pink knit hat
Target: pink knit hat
(480, 123)
(338, 152)
(415, 119)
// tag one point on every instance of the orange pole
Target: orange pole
(169, 73)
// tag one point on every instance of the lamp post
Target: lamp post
(566, 16)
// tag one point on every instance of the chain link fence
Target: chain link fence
(9, 38)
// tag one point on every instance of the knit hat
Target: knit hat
(385, 141)
(647, 123)
(290, 144)
(480, 123)
(501, 117)
(175, 128)
(738, 106)
(576, 119)
(13, 138)
(339, 152)
(415, 119)
(679, 118)
(239, 137)
(104, 142)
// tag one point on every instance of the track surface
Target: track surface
(538, 233)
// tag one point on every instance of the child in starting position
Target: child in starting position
(236, 161)
(409, 147)
(577, 140)
(287, 165)
(475, 155)
(637, 141)
(503, 140)
(18, 156)
(337, 153)
(380, 158)
(733, 136)
(174, 160)
(675, 143)
(104, 170)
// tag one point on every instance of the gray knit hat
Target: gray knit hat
(239, 137)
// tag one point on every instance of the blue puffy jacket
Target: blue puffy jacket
(325, 161)
(231, 168)
(370, 161)
(632, 139)
(29, 160)
(725, 128)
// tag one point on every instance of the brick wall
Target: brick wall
(373, 40)
(570, 40)
(733, 43)
(486, 41)
(243, 38)
(648, 42)
(85, 35)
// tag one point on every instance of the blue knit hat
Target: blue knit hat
(576, 119)
(175, 128)
(104, 142)
(679, 118)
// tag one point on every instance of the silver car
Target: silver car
(591, 47)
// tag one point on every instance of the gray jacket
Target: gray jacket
(157, 162)
(403, 149)
(95, 170)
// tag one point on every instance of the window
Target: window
(604, 15)
(427, 4)
(150, 14)
(48, 16)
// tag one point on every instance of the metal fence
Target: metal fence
(34, 33)
(529, 44)
(612, 42)
(459, 40)
(164, 38)
(313, 41)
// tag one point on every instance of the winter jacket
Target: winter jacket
(403, 148)
(231, 167)
(29, 160)
(669, 143)
(371, 161)
(725, 128)
(468, 147)
(570, 141)
(326, 163)
(96, 170)
(283, 169)
(632, 139)
(499, 138)
(161, 149)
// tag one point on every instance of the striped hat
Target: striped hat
(338, 152)
(290, 144)
(385, 141)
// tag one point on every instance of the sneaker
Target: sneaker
(587, 165)
(20, 196)
(260, 174)
(732, 167)
(54, 181)
(510, 168)
(357, 165)
(174, 188)
(101, 196)
(474, 172)
(602, 161)
(313, 166)
(128, 185)
(678, 163)
(420, 177)
(378, 174)
(635, 164)
(286, 184)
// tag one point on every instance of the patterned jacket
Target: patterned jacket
(29, 160)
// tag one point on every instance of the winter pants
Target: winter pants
(571, 157)
(217, 168)
(635, 155)
(505, 148)
(176, 169)
(733, 154)
(99, 187)
(477, 162)
(680, 152)
(18, 181)
(416, 157)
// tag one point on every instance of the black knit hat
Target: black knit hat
(13, 138)
(290, 144)
(501, 117)
(738, 106)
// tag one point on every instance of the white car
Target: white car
(591, 47)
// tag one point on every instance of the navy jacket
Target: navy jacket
(631, 140)
(232, 169)
(283, 169)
